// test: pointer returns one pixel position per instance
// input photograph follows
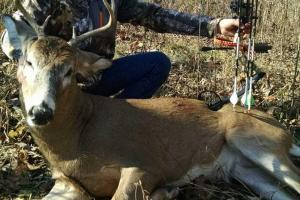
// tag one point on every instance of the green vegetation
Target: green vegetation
(23, 172)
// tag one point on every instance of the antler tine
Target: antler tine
(40, 30)
(98, 32)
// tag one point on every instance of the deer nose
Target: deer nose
(41, 115)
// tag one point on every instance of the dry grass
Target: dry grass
(23, 173)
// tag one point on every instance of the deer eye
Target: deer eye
(68, 73)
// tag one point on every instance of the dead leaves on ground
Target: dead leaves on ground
(22, 168)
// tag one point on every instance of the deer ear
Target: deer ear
(16, 36)
(87, 69)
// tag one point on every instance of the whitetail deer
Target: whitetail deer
(103, 147)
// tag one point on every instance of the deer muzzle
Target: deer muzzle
(40, 115)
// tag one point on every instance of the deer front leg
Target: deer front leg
(66, 189)
(135, 184)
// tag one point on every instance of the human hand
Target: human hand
(228, 27)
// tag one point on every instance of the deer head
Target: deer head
(47, 64)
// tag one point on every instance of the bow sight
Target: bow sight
(245, 10)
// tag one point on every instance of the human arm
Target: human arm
(165, 20)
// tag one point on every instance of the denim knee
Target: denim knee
(163, 64)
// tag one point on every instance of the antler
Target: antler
(40, 30)
(109, 27)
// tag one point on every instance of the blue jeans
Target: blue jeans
(136, 76)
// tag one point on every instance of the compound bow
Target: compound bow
(246, 11)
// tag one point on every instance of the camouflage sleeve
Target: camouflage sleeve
(165, 20)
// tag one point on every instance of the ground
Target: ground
(24, 173)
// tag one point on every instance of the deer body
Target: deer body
(127, 149)
(89, 137)
(171, 140)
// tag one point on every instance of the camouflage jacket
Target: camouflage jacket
(84, 15)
